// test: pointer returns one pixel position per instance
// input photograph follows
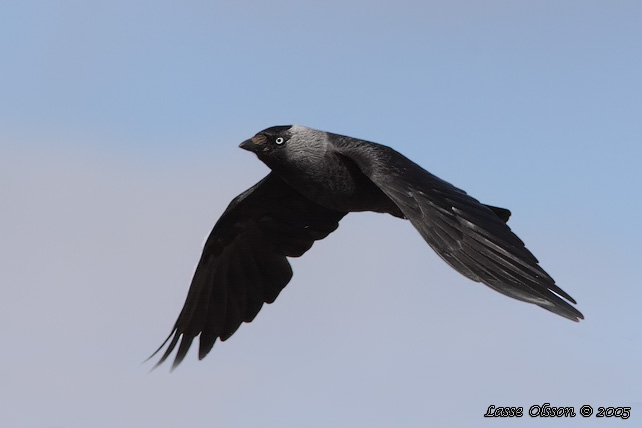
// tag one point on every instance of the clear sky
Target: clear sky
(119, 126)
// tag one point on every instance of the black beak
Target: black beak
(248, 145)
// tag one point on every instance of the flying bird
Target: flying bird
(316, 179)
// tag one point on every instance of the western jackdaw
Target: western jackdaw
(316, 179)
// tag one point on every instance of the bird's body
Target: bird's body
(307, 172)
(317, 178)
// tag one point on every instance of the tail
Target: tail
(502, 213)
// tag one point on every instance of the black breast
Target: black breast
(356, 192)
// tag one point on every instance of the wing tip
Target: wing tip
(174, 336)
(563, 309)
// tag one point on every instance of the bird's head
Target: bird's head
(278, 145)
(268, 141)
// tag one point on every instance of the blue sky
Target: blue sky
(119, 126)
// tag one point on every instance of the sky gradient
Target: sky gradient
(119, 127)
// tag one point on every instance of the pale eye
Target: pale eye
(279, 140)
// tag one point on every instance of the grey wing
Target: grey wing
(471, 237)
(244, 262)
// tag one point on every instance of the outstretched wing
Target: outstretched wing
(471, 237)
(244, 262)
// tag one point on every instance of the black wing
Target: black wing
(471, 237)
(244, 262)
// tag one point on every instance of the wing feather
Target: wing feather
(471, 237)
(244, 262)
